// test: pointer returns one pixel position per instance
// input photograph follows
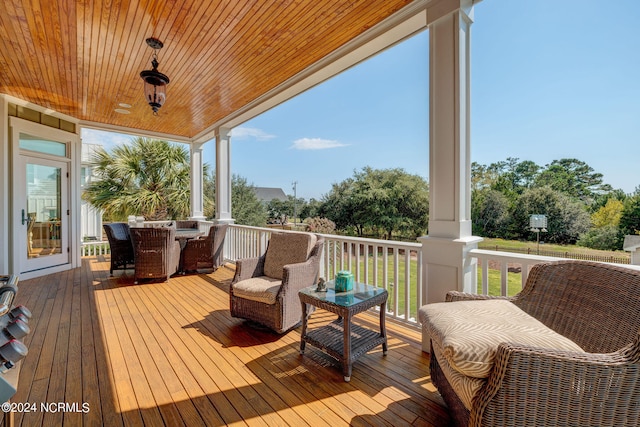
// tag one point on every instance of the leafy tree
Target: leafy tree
(607, 238)
(510, 177)
(567, 219)
(339, 205)
(490, 213)
(526, 173)
(277, 209)
(600, 200)
(149, 177)
(573, 177)
(505, 177)
(480, 178)
(310, 209)
(630, 218)
(605, 233)
(382, 201)
(246, 209)
(209, 189)
(608, 215)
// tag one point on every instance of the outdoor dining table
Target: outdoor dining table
(185, 234)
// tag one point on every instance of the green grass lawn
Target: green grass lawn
(514, 283)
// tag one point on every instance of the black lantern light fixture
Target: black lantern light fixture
(155, 83)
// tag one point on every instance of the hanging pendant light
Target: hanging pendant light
(155, 83)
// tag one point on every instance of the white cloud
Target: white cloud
(244, 133)
(316, 144)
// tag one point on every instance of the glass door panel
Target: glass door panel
(42, 209)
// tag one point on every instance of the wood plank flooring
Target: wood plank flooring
(169, 354)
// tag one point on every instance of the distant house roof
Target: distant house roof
(267, 194)
(631, 242)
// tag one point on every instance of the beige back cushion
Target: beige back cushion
(287, 248)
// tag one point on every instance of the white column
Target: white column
(223, 176)
(197, 182)
(4, 187)
(447, 265)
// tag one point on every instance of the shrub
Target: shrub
(320, 225)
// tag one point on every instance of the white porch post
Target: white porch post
(4, 187)
(223, 176)
(197, 182)
(447, 265)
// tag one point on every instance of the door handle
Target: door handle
(23, 218)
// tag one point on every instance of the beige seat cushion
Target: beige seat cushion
(469, 332)
(287, 248)
(262, 289)
(465, 387)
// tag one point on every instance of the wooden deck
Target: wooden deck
(169, 354)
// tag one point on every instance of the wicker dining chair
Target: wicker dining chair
(207, 252)
(120, 246)
(265, 289)
(156, 253)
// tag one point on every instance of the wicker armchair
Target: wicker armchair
(120, 245)
(156, 251)
(265, 289)
(207, 252)
(597, 306)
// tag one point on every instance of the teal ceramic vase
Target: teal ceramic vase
(344, 281)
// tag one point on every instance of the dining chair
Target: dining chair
(207, 252)
(156, 253)
(120, 246)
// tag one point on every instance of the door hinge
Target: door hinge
(67, 211)
(67, 174)
(68, 250)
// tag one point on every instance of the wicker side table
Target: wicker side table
(340, 339)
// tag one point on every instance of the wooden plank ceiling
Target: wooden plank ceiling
(83, 58)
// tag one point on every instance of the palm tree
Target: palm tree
(149, 177)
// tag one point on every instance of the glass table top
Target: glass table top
(361, 292)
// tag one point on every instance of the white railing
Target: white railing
(505, 264)
(510, 265)
(243, 241)
(394, 266)
(94, 248)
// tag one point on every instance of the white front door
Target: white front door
(41, 201)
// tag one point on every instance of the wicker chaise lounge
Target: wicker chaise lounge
(265, 289)
(536, 383)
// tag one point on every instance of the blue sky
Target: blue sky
(550, 79)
